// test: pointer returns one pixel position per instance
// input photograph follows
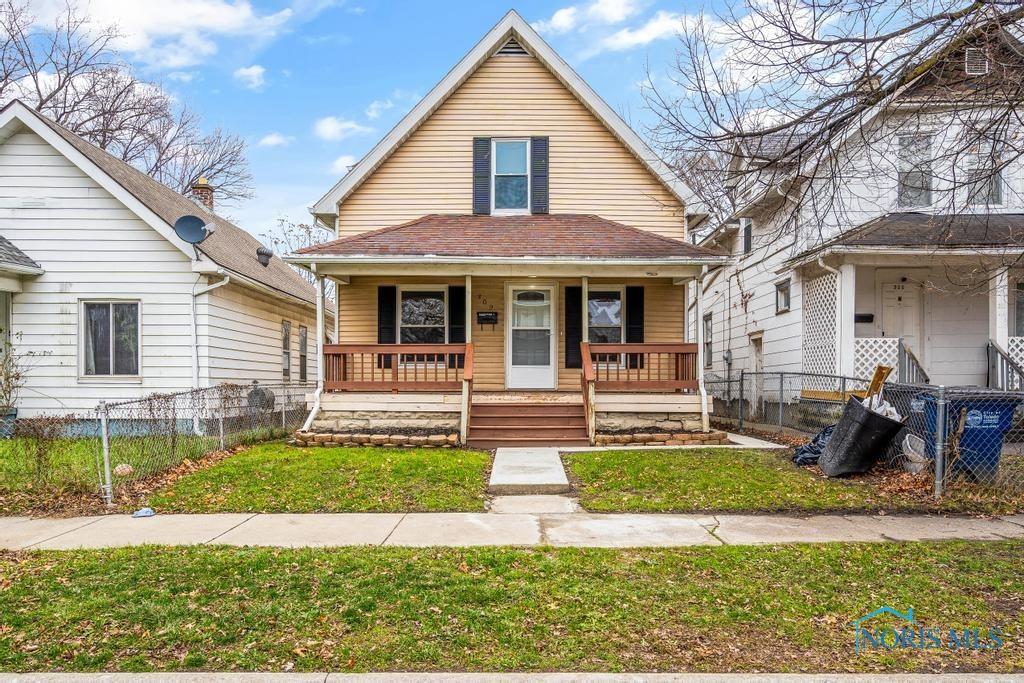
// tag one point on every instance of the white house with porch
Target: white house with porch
(900, 266)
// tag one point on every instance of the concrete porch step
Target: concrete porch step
(521, 471)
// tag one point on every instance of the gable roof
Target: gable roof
(552, 236)
(514, 27)
(228, 246)
(14, 259)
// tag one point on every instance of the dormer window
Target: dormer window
(510, 176)
(975, 61)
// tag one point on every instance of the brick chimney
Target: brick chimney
(202, 192)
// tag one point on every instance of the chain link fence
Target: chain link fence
(140, 438)
(961, 435)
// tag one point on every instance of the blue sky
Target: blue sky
(313, 84)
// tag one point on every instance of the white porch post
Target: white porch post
(337, 312)
(586, 312)
(321, 361)
(845, 304)
(698, 314)
(466, 386)
(999, 309)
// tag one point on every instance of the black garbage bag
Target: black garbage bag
(809, 453)
(860, 438)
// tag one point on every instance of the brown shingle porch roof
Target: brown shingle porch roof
(555, 236)
(938, 231)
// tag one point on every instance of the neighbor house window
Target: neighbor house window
(984, 176)
(915, 171)
(286, 350)
(303, 352)
(782, 297)
(511, 177)
(747, 232)
(707, 340)
(110, 338)
(1018, 310)
(975, 61)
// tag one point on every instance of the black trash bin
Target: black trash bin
(859, 439)
(908, 400)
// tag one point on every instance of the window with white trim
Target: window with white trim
(286, 350)
(707, 340)
(303, 352)
(984, 175)
(510, 176)
(782, 297)
(110, 338)
(915, 171)
(747, 235)
(422, 315)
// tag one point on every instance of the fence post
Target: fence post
(742, 382)
(284, 405)
(108, 482)
(220, 418)
(842, 390)
(941, 410)
(782, 394)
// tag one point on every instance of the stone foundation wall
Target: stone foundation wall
(385, 422)
(712, 438)
(629, 423)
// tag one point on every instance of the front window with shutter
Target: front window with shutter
(510, 177)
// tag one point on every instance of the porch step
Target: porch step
(494, 425)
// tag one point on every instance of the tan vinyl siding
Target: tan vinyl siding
(591, 172)
(663, 319)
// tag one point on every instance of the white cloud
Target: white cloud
(378, 107)
(342, 164)
(661, 25)
(275, 140)
(252, 77)
(175, 34)
(584, 15)
(182, 76)
(335, 128)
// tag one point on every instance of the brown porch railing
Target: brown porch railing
(640, 367)
(395, 367)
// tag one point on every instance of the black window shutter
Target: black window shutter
(456, 322)
(634, 323)
(573, 326)
(539, 175)
(481, 176)
(387, 300)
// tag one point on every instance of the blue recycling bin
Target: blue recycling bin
(989, 417)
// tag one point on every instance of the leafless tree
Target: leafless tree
(288, 237)
(784, 97)
(69, 71)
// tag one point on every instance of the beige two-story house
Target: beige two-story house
(511, 263)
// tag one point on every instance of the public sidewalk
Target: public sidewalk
(562, 529)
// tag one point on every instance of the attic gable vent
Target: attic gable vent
(512, 47)
(975, 61)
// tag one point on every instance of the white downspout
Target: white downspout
(321, 360)
(195, 323)
(705, 420)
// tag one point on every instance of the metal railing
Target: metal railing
(909, 368)
(1003, 372)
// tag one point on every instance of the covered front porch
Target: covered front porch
(529, 347)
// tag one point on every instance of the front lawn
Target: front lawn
(733, 480)
(782, 608)
(276, 477)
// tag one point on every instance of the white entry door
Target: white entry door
(901, 315)
(530, 356)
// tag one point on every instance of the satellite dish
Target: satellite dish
(192, 229)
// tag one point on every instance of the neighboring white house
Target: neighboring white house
(104, 302)
(899, 267)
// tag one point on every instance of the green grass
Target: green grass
(66, 464)
(730, 480)
(275, 477)
(783, 608)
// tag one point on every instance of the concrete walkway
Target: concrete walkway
(518, 471)
(489, 529)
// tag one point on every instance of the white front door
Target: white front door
(901, 315)
(531, 353)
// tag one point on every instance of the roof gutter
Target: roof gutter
(213, 269)
(309, 259)
(18, 269)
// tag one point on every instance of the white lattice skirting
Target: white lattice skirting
(819, 338)
(869, 352)
(1015, 349)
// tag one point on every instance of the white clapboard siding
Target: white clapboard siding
(90, 246)
(242, 329)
